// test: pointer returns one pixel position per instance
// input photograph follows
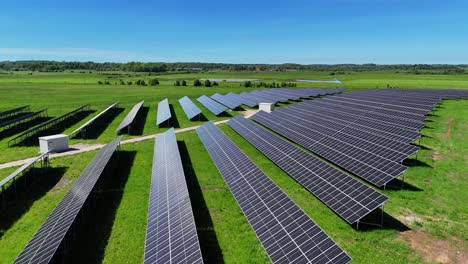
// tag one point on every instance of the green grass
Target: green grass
(116, 225)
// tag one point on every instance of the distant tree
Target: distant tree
(207, 83)
(197, 83)
(129, 82)
(215, 84)
(122, 82)
(247, 84)
(184, 83)
(154, 82)
(100, 82)
(177, 83)
(332, 73)
(107, 82)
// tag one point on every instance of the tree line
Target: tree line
(160, 67)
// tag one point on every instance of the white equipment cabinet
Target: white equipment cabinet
(267, 107)
(53, 143)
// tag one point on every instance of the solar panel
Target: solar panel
(369, 167)
(284, 94)
(378, 108)
(375, 127)
(411, 124)
(227, 101)
(164, 112)
(190, 109)
(365, 141)
(21, 169)
(46, 125)
(93, 119)
(258, 98)
(45, 243)
(393, 128)
(242, 100)
(247, 100)
(13, 111)
(275, 97)
(214, 107)
(347, 197)
(128, 120)
(171, 234)
(286, 233)
(21, 119)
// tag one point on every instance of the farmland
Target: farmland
(430, 211)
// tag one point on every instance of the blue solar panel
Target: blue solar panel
(164, 112)
(214, 107)
(227, 101)
(286, 233)
(190, 109)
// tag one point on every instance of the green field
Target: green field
(433, 204)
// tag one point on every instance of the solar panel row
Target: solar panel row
(43, 126)
(93, 119)
(287, 234)
(45, 243)
(349, 198)
(164, 112)
(369, 167)
(171, 234)
(128, 120)
(214, 107)
(228, 101)
(190, 109)
(21, 119)
(20, 170)
(14, 111)
(242, 100)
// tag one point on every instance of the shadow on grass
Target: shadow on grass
(415, 163)
(95, 129)
(58, 128)
(206, 234)
(22, 127)
(400, 185)
(96, 226)
(389, 222)
(138, 124)
(19, 196)
(224, 114)
(201, 117)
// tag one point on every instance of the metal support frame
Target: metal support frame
(373, 224)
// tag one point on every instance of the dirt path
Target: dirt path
(80, 148)
(435, 250)
(449, 128)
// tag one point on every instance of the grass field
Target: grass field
(431, 208)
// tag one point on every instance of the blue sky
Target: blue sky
(298, 31)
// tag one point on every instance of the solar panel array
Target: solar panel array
(373, 168)
(346, 196)
(287, 234)
(93, 119)
(214, 107)
(190, 109)
(43, 126)
(228, 101)
(275, 95)
(20, 170)
(128, 120)
(14, 111)
(368, 133)
(21, 119)
(45, 243)
(164, 112)
(171, 234)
